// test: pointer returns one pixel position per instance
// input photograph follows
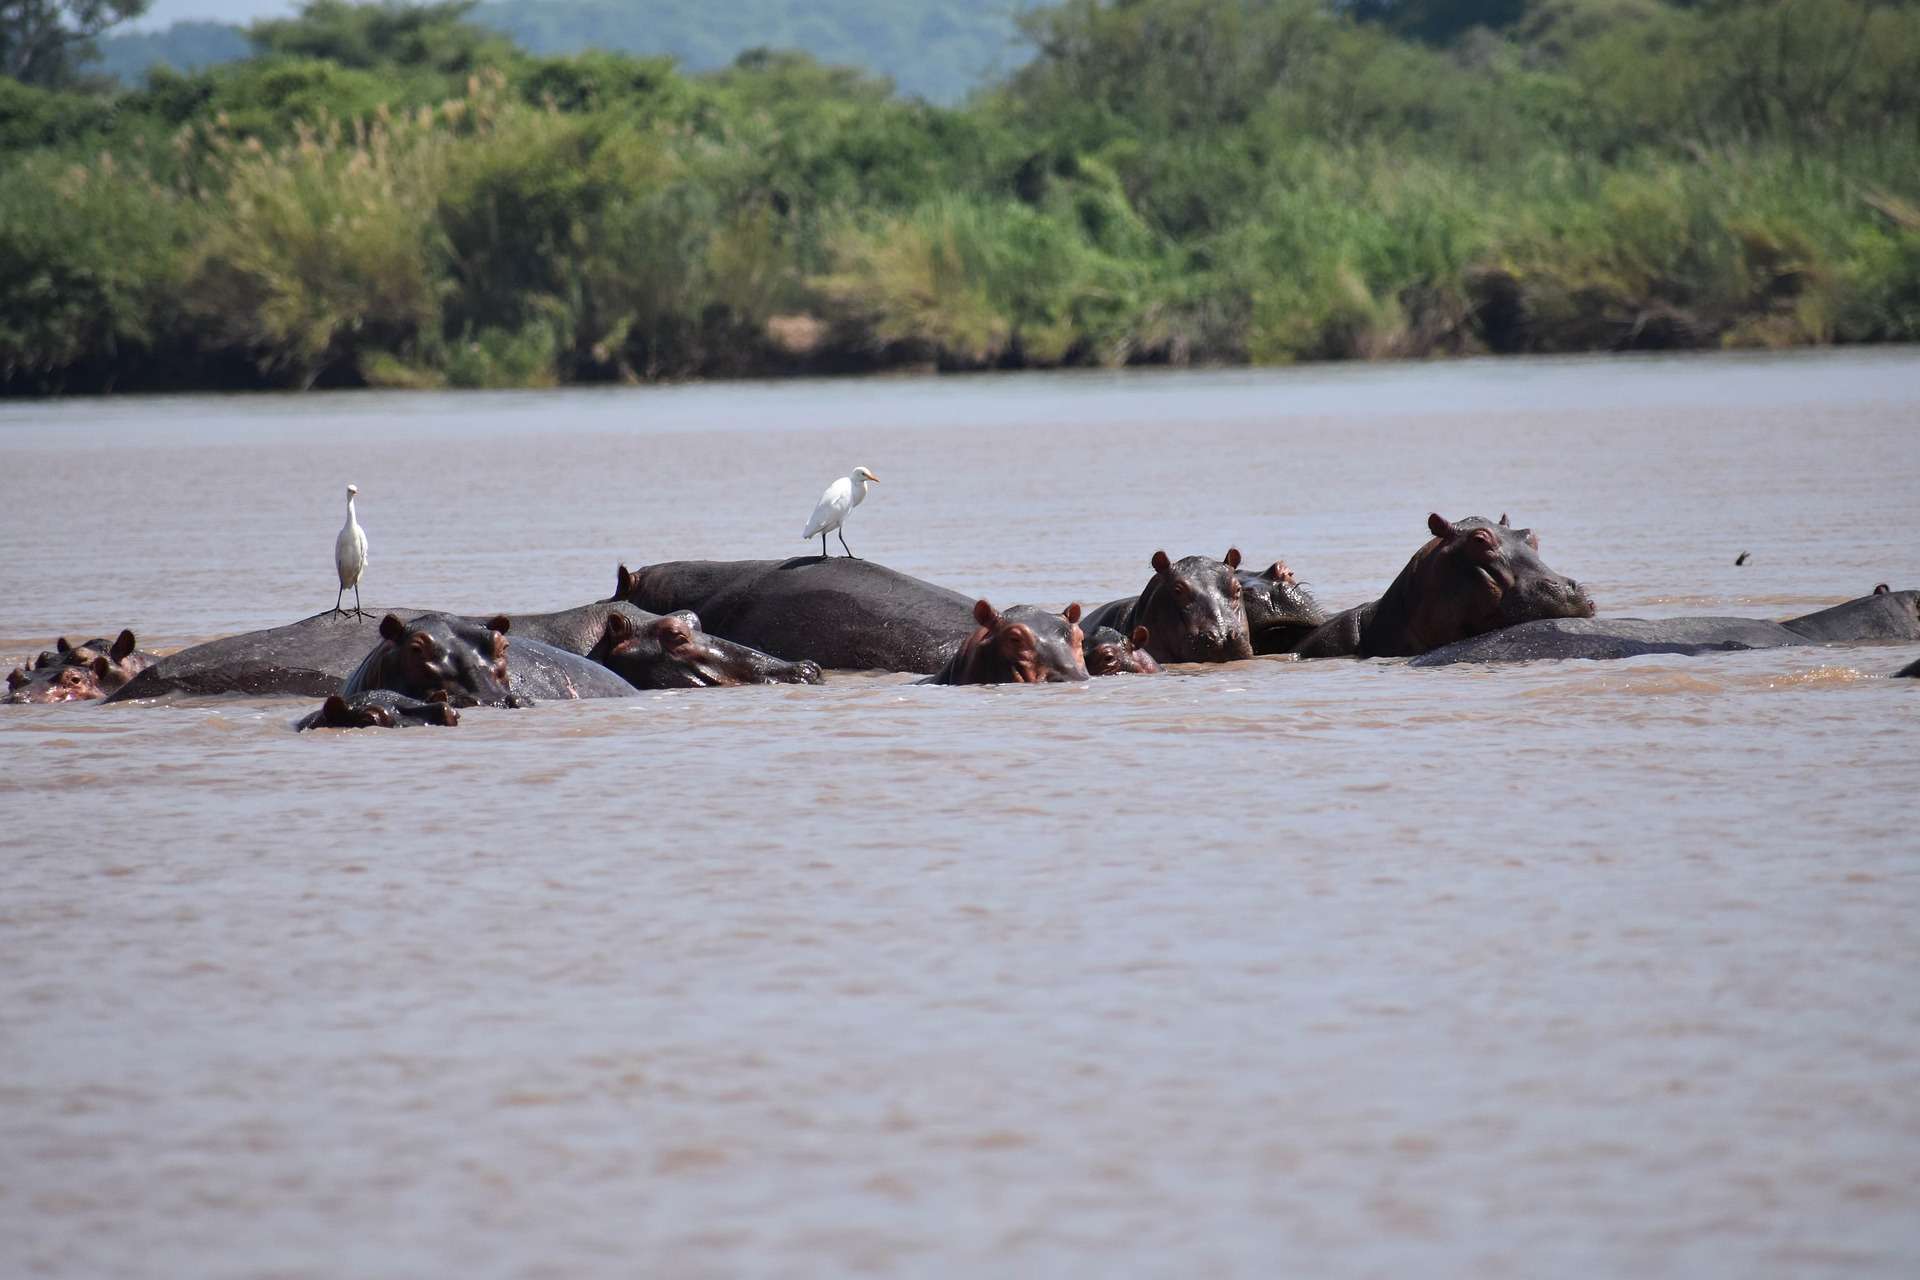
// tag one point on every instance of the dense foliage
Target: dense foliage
(399, 198)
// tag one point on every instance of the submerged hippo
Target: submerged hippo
(309, 658)
(671, 652)
(1193, 610)
(1882, 617)
(314, 657)
(1280, 611)
(54, 682)
(378, 709)
(78, 673)
(1108, 653)
(467, 661)
(463, 662)
(1470, 578)
(1024, 645)
(839, 612)
(1912, 669)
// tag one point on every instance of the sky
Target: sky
(167, 12)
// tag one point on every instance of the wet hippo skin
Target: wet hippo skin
(1889, 616)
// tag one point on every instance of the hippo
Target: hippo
(579, 630)
(309, 659)
(55, 682)
(840, 612)
(1911, 670)
(1470, 578)
(438, 653)
(378, 709)
(1023, 645)
(1281, 612)
(1193, 610)
(1108, 653)
(77, 673)
(1883, 617)
(467, 661)
(314, 657)
(670, 653)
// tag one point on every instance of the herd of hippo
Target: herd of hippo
(1475, 591)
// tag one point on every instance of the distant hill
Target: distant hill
(936, 49)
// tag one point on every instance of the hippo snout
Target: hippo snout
(805, 672)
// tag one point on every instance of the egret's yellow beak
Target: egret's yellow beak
(874, 478)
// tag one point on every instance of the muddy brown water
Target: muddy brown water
(1336, 969)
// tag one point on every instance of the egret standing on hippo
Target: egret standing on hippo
(350, 557)
(836, 504)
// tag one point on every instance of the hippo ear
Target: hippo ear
(1881, 589)
(1276, 571)
(984, 615)
(1161, 564)
(62, 645)
(1437, 524)
(619, 628)
(334, 712)
(123, 645)
(436, 695)
(1532, 540)
(1233, 557)
(392, 629)
(1072, 614)
(1016, 641)
(1503, 521)
(1139, 638)
(622, 583)
(500, 622)
(101, 666)
(16, 678)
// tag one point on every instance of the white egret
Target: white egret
(350, 556)
(841, 497)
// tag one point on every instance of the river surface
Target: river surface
(1320, 969)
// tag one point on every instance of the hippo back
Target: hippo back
(838, 612)
(310, 658)
(538, 671)
(1609, 638)
(1887, 615)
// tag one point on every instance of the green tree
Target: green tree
(377, 35)
(44, 42)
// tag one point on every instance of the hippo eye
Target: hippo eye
(1233, 586)
(1181, 591)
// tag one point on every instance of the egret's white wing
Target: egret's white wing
(833, 508)
(350, 554)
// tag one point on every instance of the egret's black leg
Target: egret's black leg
(336, 601)
(840, 534)
(823, 544)
(358, 612)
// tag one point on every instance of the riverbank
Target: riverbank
(435, 212)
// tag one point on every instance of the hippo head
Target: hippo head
(1477, 576)
(380, 709)
(1280, 611)
(1193, 610)
(1024, 645)
(1109, 653)
(672, 652)
(120, 663)
(461, 661)
(61, 682)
